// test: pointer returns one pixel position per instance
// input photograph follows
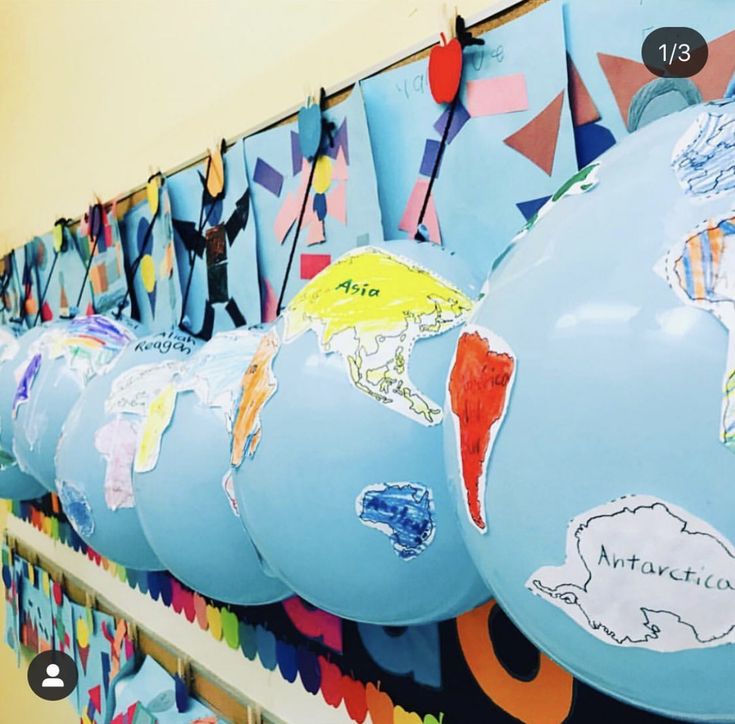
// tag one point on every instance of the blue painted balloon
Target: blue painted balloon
(59, 363)
(342, 483)
(14, 483)
(591, 446)
(96, 451)
(185, 501)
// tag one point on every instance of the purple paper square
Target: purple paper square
(460, 118)
(431, 149)
(268, 177)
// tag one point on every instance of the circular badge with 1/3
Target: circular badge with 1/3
(52, 675)
(592, 397)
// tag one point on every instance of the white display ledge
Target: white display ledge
(278, 700)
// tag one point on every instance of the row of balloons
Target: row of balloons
(391, 450)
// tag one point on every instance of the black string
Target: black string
(21, 290)
(92, 251)
(136, 262)
(42, 298)
(465, 39)
(435, 171)
(296, 236)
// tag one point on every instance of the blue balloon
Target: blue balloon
(591, 439)
(14, 483)
(95, 454)
(310, 129)
(342, 488)
(58, 365)
(185, 501)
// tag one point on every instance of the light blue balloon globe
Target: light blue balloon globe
(96, 451)
(341, 482)
(185, 500)
(59, 364)
(14, 483)
(591, 414)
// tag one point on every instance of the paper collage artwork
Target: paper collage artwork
(612, 91)
(509, 145)
(151, 255)
(37, 257)
(342, 209)
(10, 290)
(215, 245)
(99, 235)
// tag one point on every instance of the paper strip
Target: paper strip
(491, 96)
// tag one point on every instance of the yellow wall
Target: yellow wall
(94, 94)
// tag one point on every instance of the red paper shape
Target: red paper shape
(583, 107)
(269, 312)
(331, 682)
(478, 388)
(445, 70)
(95, 696)
(712, 80)
(312, 264)
(537, 139)
(83, 656)
(625, 77)
(353, 693)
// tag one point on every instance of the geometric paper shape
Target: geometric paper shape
(337, 202)
(583, 107)
(591, 140)
(492, 96)
(625, 77)
(297, 159)
(267, 177)
(339, 142)
(537, 139)
(410, 218)
(530, 207)
(460, 117)
(95, 696)
(431, 151)
(312, 264)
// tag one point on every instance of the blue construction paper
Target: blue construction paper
(277, 147)
(224, 290)
(153, 687)
(618, 28)
(460, 117)
(530, 207)
(482, 178)
(268, 177)
(106, 284)
(11, 267)
(160, 309)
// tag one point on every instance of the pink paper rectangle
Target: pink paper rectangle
(491, 96)
(409, 221)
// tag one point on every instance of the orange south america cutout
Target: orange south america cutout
(480, 383)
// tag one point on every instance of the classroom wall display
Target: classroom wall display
(612, 92)
(626, 576)
(40, 617)
(57, 366)
(37, 263)
(352, 376)
(11, 292)
(100, 441)
(151, 259)
(101, 248)
(215, 243)
(505, 145)
(14, 483)
(184, 494)
(340, 207)
(477, 667)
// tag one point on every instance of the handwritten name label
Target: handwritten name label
(166, 342)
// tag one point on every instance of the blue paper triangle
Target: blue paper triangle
(530, 207)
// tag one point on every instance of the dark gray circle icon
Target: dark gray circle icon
(52, 675)
(674, 52)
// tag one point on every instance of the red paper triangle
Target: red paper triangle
(83, 655)
(712, 80)
(95, 694)
(583, 107)
(625, 77)
(537, 139)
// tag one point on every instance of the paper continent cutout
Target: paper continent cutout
(371, 306)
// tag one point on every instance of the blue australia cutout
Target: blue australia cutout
(403, 511)
(77, 509)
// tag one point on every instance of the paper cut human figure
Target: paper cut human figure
(53, 680)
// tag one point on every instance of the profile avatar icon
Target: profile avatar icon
(52, 677)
